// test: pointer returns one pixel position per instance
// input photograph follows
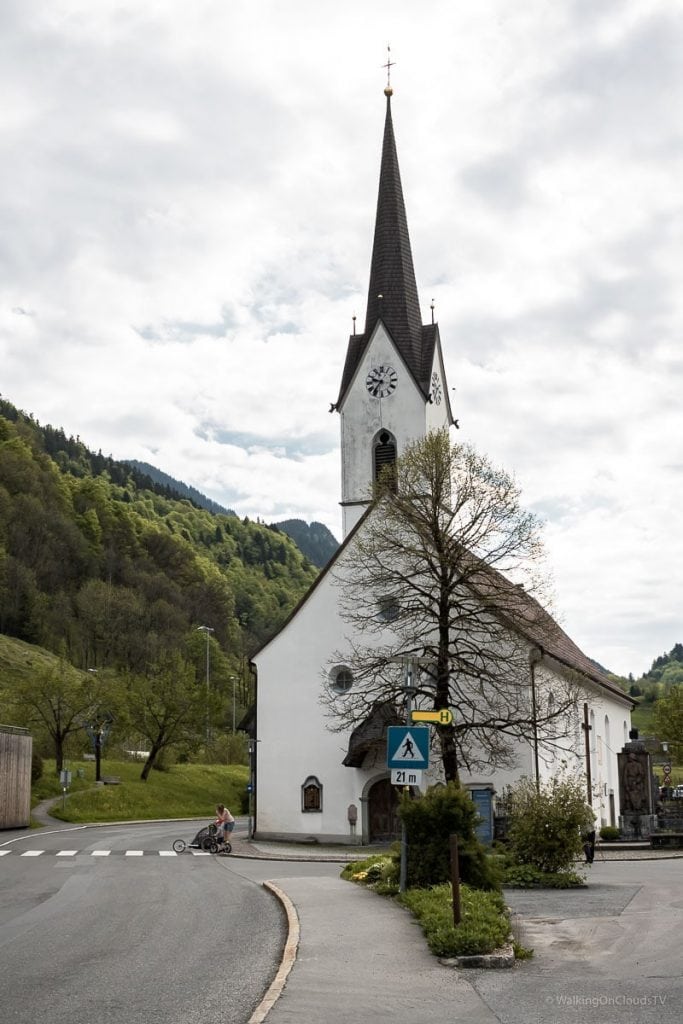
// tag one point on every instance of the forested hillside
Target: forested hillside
(660, 684)
(101, 564)
(314, 539)
(180, 489)
(316, 542)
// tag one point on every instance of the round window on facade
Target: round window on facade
(388, 609)
(341, 679)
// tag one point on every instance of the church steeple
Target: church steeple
(393, 389)
(392, 294)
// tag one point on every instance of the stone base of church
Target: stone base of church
(320, 839)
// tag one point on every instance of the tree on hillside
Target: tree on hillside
(443, 572)
(668, 721)
(58, 700)
(166, 706)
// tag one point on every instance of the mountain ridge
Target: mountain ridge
(313, 539)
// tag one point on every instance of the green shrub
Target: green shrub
(609, 834)
(379, 872)
(526, 876)
(430, 821)
(36, 767)
(522, 876)
(484, 924)
(546, 823)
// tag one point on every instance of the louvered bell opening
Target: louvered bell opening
(385, 456)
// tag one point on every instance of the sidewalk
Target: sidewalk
(361, 957)
(255, 849)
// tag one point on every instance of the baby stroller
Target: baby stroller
(206, 839)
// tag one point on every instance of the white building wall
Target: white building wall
(610, 720)
(293, 739)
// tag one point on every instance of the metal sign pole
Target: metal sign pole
(403, 875)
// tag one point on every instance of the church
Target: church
(317, 785)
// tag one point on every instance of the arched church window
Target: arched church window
(312, 795)
(384, 456)
(341, 678)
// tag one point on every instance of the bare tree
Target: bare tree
(445, 571)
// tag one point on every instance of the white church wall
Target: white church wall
(609, 720)
(294, 741)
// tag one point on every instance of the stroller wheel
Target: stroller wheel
(209, 844)
(179, 845)
(228, 846)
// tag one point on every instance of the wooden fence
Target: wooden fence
(15, 777)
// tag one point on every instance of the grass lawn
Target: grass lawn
(184, 791)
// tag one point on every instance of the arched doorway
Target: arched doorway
(384, 824)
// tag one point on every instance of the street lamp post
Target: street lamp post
(207, 631)
(234, 684)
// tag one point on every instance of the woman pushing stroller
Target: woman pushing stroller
(225, 823)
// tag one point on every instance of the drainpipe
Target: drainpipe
(535, 657)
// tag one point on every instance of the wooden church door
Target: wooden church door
(383, 819)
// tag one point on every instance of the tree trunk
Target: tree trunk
(59, 752)
(449, 752)
(446, 733)
(149, 763)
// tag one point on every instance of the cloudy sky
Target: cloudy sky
(187, 197)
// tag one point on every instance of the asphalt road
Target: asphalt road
(131, 936)
(608, 954)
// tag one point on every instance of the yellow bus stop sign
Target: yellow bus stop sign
(442, 717)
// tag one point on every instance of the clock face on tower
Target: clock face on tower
(381, 381)
(436, 388)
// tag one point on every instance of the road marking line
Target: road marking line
(167, 853)
(201, 853)
(101, 853)
(134, 853)
(33, 853)
(3, 853)
(67, 853)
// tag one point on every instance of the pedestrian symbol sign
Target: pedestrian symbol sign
(407, 747)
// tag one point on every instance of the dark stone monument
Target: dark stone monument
(637, 819)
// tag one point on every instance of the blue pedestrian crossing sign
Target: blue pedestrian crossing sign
(407, 746)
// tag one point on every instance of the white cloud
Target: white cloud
(187, 198)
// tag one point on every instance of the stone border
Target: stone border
(288, 956)
(499, 958)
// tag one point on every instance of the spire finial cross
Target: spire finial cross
(389, 65)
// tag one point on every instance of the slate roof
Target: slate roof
(392, 293)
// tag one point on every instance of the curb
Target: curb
(503, 957)
(288, 956)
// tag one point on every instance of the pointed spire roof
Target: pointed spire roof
(392, 295)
